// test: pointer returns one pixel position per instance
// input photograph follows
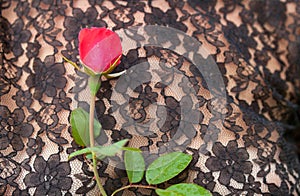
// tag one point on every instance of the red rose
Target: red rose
(99, 48)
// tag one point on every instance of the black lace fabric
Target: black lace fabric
(163, 103)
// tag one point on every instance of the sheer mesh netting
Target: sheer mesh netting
(218, 80)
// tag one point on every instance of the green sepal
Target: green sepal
(88, 71)
(114, 75)
(71, 62)
(113, 66)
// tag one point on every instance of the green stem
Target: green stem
(102, 191)
(133, 186)
(92, 143)
(91, 122)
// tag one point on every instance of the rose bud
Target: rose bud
(99, 49)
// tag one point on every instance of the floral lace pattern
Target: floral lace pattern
(238, 146)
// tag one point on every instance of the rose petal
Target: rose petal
(98, 48)
(88, 37)
(102, 55)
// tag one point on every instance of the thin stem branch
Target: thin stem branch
(133, 186)
(92, 144)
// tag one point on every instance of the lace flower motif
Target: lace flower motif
(50, 177)
(231, 161)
